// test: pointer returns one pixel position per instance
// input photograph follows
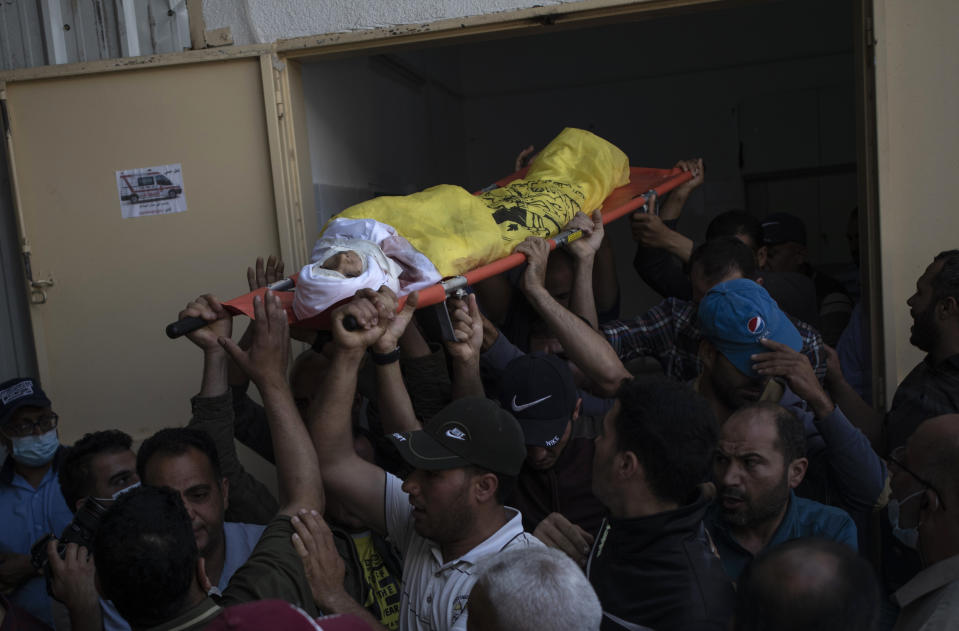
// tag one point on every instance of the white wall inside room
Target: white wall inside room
(377, 125)
(758, 90)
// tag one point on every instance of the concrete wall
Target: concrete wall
(917, 65)
(264, 21)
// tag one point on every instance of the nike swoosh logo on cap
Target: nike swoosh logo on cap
(519, 408)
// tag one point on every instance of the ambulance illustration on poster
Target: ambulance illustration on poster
(151, 191)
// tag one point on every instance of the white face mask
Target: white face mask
(908, 536)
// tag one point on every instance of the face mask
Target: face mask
(908, 536)
(35, 451)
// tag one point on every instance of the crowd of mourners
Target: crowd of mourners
(523, 457)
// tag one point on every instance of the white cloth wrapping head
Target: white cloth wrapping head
(388, 259)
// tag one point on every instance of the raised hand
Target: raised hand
(373, 311)
(268, 356)
(796, 369)
(220, 321)
(593, 232)
(468, 329)
(694, 166)
(261, 276)
(537, 253)
(523, 158)
(397, 324)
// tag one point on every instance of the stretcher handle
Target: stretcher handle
(183, 326)
(190, 324)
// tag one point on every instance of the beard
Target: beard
(924, 335)
(450, 523)
(763, 507)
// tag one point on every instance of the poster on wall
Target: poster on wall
(151, 191)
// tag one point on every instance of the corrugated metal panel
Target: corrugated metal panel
(17, 355)
(21, 35)
(90, 29)
(45, 32)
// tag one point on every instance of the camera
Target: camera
(80, 531)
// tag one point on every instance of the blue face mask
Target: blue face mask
(35, 451)
(908, 536)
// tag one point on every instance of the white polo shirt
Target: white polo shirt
(435, 593)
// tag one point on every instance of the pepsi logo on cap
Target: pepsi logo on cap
(756, 325)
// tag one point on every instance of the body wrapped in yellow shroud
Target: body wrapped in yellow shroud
(459, 231)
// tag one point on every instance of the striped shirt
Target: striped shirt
(435, 592)
(670, 332)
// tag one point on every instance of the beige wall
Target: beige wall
(917, 107)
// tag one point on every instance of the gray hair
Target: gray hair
(538, 589)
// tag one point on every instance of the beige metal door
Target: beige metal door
(103, 356)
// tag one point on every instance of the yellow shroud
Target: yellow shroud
(459, 231)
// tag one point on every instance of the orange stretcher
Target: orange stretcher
(622, 201)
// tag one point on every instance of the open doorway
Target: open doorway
(764, 92)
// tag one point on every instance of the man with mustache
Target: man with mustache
(759, 461)
(751, 353)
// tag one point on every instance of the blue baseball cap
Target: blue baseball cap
(735, 315)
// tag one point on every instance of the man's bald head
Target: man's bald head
(933, 453)
(808, 584)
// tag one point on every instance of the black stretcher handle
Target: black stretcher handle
(192, 323)
(184, 326)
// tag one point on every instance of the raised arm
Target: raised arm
(651, 230)
(465, 351)
(393, 400)
(260, 275)
(213, 413)
(582, 300)
(357, 484)
(584, 345)
(860, 413)
(297, 470)
(672, 208)
(861, 476)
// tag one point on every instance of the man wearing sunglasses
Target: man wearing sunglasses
(30, 499)
(924, 514)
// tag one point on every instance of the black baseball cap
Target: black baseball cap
(469, 431)
(18, 393)
(538, 389)
(783, 228)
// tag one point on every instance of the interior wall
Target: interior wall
(377, 126)
(917, 98)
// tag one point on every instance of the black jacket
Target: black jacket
(660, 572)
